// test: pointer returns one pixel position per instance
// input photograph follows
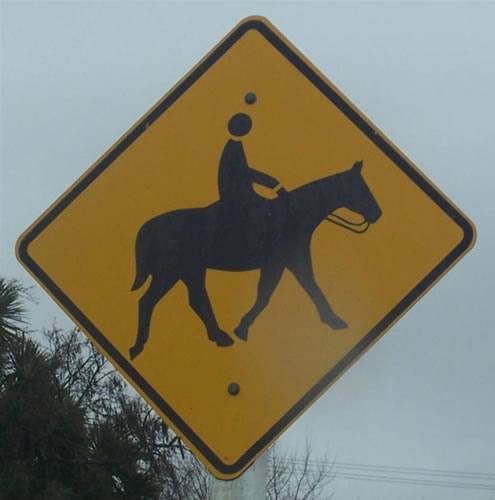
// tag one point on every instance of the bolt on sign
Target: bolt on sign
(243, 244)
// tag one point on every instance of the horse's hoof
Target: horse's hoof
(334, 322)
(222, 339)
(338, 324)
(241, 333)
(134, 351)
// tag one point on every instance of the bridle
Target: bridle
(355, 227)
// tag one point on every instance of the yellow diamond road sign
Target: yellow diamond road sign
(243, 244)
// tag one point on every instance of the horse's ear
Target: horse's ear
(357, 167)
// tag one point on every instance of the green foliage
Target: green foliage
(15, 480)
(70, 428)
(12, 310)
(39, 425)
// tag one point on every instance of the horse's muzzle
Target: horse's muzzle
(374, 215)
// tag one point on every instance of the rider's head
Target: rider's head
(240, 124)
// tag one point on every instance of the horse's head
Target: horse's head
(356, 195)
(318, 200)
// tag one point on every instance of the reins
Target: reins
(355, 227)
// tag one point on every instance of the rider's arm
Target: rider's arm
(264, 179)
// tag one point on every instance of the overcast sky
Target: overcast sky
(77, 75)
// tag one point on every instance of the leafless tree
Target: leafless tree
(298, 476)
(291, 476)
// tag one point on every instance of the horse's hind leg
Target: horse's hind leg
(269, 279)
(201, 305)
(158, 288)
(302, 268)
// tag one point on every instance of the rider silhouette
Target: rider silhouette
(235, 176)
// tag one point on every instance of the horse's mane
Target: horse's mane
(318, 184)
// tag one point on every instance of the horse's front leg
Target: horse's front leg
(302, 268)
(201, 305)
(269, 278)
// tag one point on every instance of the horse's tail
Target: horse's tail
(142, 270)
(139, 281)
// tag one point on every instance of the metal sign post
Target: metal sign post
(250, 486)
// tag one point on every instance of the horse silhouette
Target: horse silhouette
(266, 234)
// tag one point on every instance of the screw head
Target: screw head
(233, 389)
(250, 98)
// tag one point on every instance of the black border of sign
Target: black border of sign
(250, 24)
